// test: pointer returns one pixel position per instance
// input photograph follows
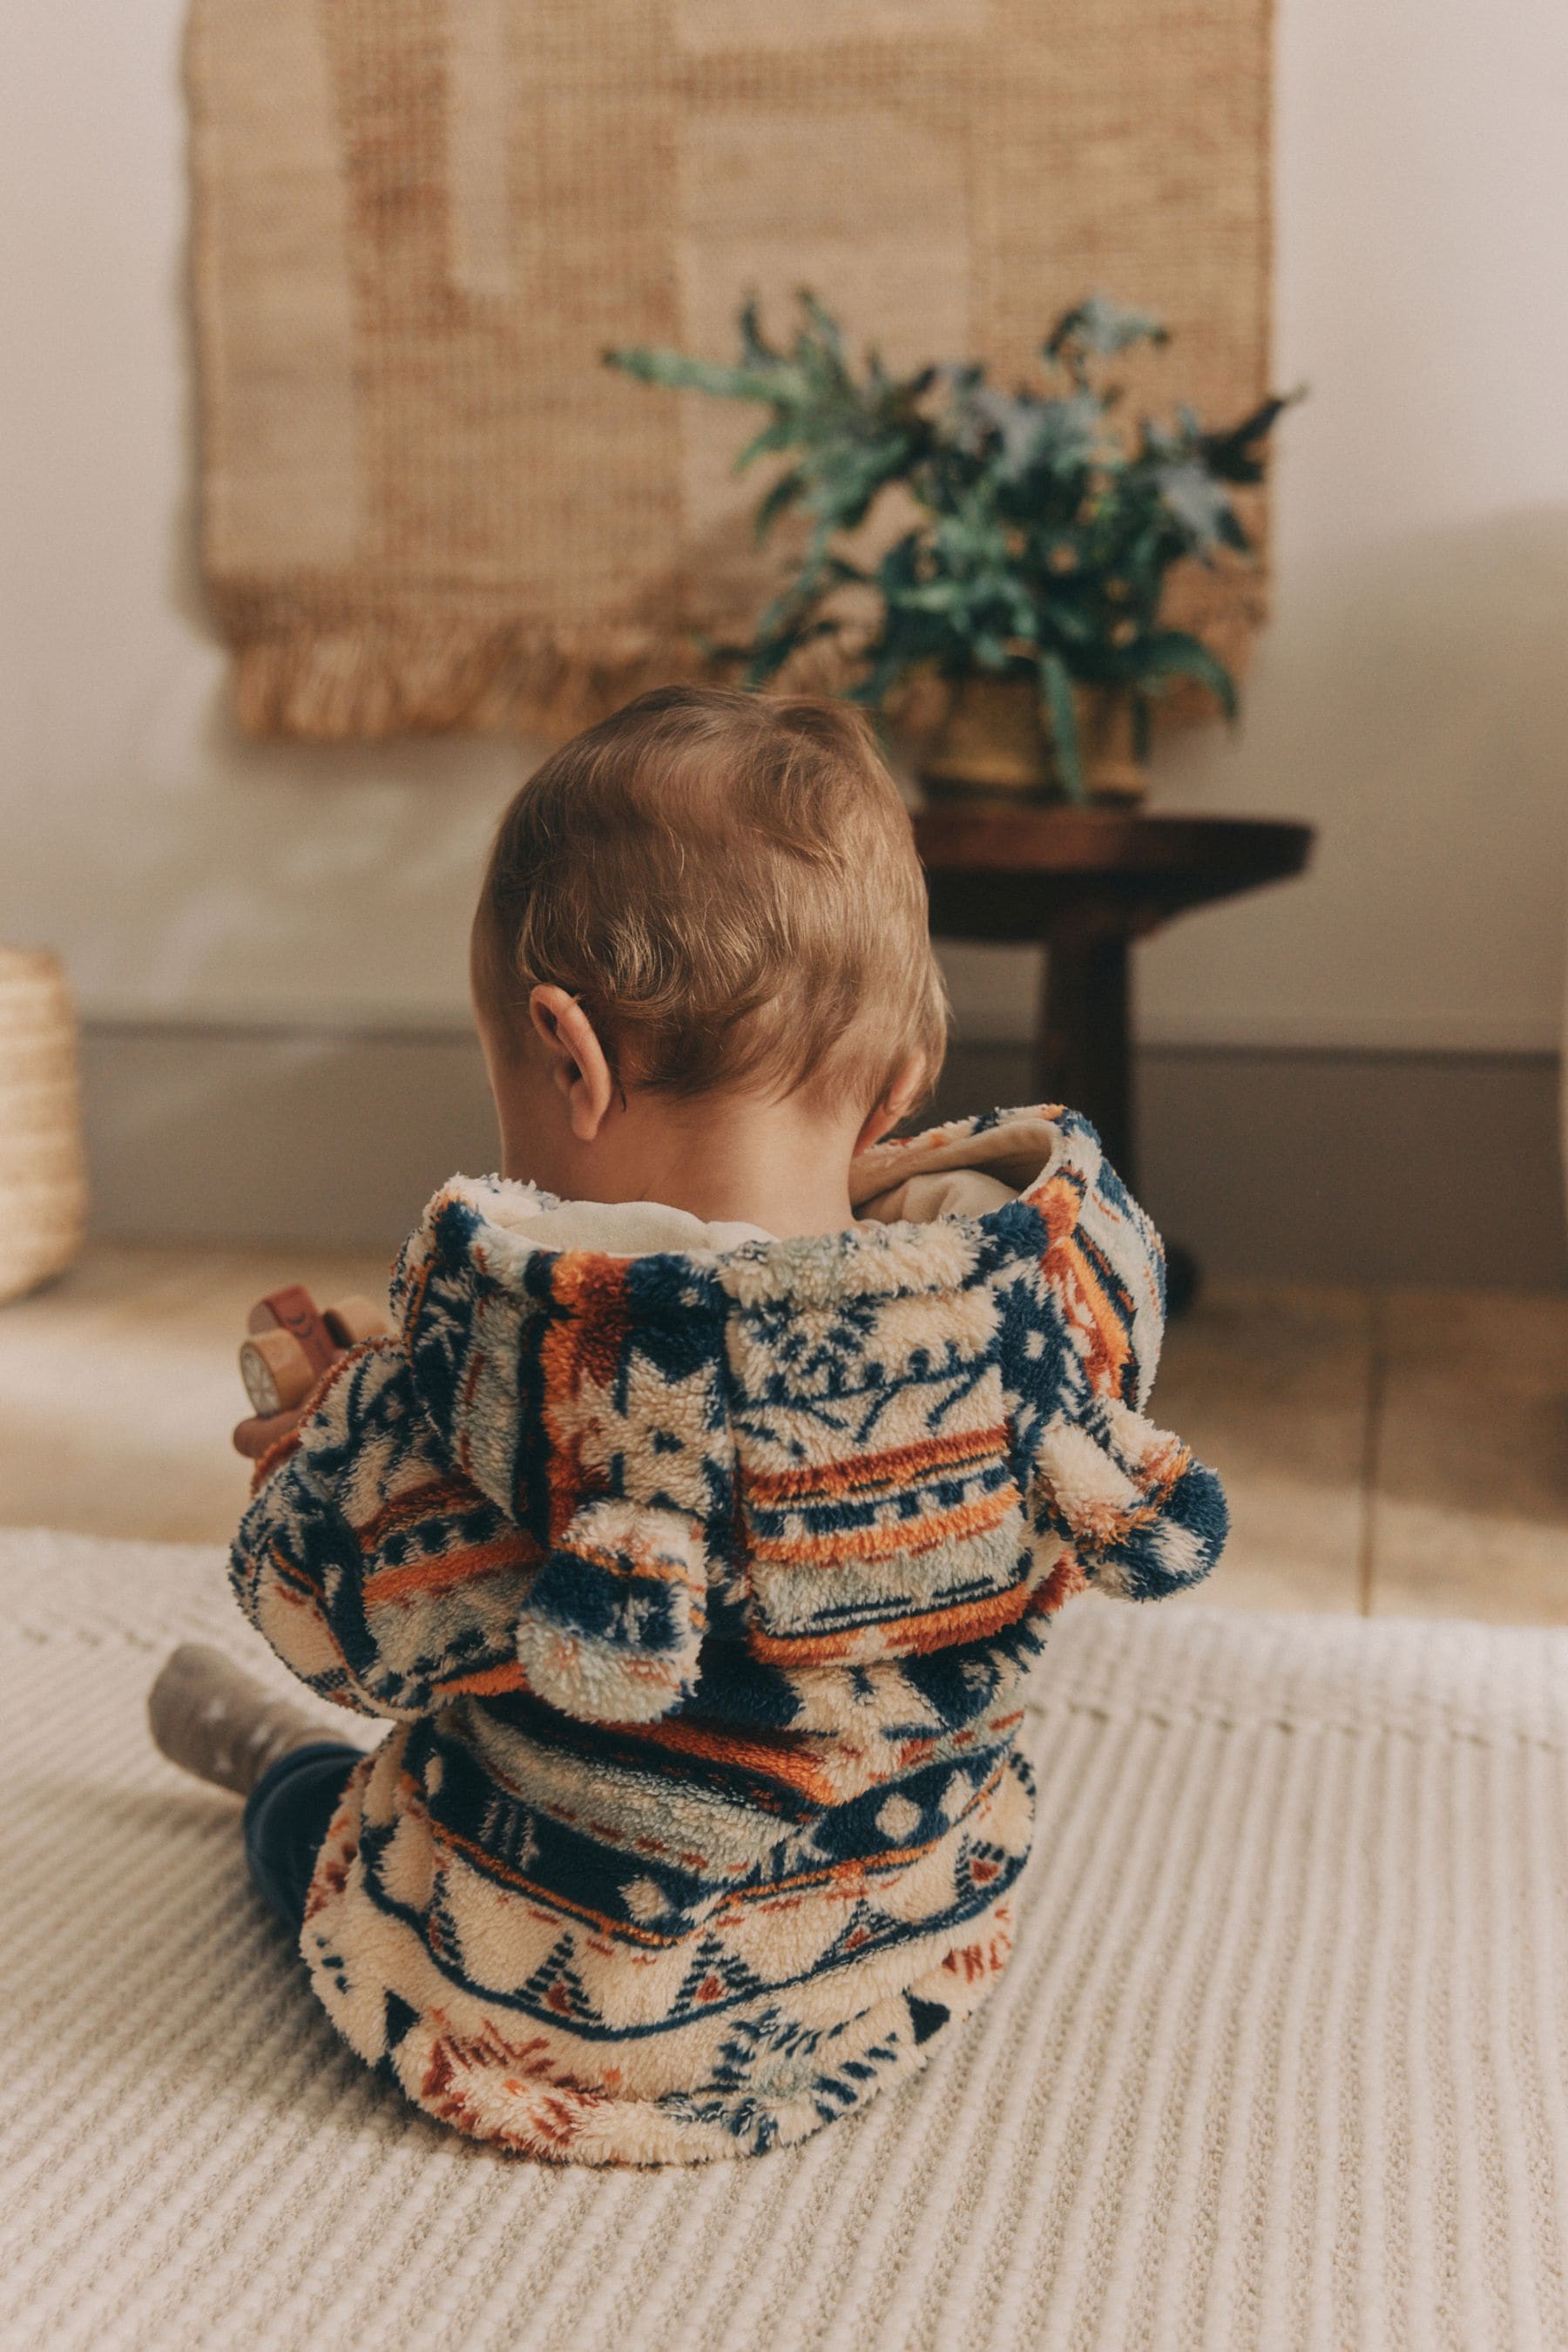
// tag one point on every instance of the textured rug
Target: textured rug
(1280, 2062)
(419, 224)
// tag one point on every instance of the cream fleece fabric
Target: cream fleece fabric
(1283, 2061)
(622, 1228)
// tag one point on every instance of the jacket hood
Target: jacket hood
(717, 1459)
(507, 1294)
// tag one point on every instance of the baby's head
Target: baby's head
(703, 928)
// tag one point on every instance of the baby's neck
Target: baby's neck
(726, 1159)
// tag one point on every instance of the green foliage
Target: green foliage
(1045, 538)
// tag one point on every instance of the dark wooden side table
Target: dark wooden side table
(1083, 884)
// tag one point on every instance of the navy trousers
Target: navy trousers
(286, 1816)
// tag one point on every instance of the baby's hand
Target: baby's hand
(291, 1344)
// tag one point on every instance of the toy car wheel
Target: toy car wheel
(277, 1372)
(353, 1319)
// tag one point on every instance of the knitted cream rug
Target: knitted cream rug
(1282, 2059)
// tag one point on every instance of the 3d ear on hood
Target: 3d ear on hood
(614, 1622)
(1142, 1516)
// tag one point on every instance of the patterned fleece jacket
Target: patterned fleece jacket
(700, 1573)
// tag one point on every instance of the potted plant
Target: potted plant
(1032, 575)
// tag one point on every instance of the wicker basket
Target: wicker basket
(43, 1177)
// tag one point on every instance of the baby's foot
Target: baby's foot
(212, 1718)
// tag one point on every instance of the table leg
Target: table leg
(1081, 1050)
(1082, 1056)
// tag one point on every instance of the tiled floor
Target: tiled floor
(1403, 1453)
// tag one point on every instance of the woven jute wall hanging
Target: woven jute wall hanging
(427, 505)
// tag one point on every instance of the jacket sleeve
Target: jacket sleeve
(1139, 1517)
(383, 1578)
(517, 1502)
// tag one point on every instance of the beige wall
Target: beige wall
(1410, 698)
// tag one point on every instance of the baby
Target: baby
(698, 1526)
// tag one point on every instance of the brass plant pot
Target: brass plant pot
(1107, 745)
(994, 739)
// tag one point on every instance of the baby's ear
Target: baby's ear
(579, 1069)
(906, 1089)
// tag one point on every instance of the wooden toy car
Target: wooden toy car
(290, 1343)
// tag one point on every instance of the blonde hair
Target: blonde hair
(728, 882)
